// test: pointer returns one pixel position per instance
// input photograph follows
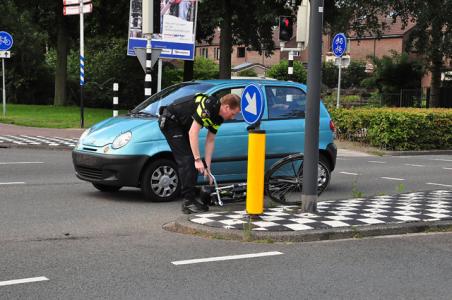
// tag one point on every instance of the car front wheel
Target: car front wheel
(160, 181)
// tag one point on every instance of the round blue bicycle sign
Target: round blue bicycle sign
(6, 41)
(339, 45)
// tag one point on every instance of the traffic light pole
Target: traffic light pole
(311, 147)
(290, 66)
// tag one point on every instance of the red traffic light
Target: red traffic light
(285, 28)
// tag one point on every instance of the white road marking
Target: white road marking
(413, 165)
(25, 280)
(441, 159)
(447, 168)
(222, 258)
(439, 184)
(377, 162)
(392, 178)
(348, 173)
(21, 162)
(7, 183)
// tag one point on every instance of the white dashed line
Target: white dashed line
(392, 178)
(11, 183)
(439, 184)
(348, 173)
(413, 165)
(21, 162)
(377, 162)
(441, 159)
(25, 280)
(223, 258)
(447, 168)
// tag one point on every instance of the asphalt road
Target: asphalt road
(91, 245)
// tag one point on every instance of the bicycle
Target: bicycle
(5, 40)
(283, 183)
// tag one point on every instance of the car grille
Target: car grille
(89, 173)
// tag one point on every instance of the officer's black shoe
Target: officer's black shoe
(193, 207)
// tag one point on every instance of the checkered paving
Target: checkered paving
(401, 208)
(38, 140)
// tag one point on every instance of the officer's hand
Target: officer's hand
(200, 167)
(206, 174)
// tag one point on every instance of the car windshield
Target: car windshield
(169, 95)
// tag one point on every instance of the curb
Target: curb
(420, 152)
(183, 225)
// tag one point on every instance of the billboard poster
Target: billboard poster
(177, 29)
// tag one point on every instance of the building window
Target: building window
(204, 52)
(217, 53)
(241, 52)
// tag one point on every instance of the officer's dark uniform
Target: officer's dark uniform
(175, 123)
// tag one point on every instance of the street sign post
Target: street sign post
(252, 107)
(339, 46)
(79, 7)
(6, 42)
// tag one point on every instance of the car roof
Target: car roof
(221, 82)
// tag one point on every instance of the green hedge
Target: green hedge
(396, 128)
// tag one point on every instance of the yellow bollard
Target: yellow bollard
(256, 169)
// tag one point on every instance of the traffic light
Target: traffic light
(285, 28)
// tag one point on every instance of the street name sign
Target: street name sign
(75, 10)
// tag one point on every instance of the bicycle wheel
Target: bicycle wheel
(284, 180)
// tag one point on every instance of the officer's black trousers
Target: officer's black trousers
(179, 142)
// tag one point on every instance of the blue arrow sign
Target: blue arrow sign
(6, 41)
(252, 104)
(339, 45)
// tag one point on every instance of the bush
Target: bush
(352, 76)
(279, 71)
(247, 73)
(396, 128)
(205, 68)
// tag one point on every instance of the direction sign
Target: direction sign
(5, 54)
(75, 10)
(252, 104)
(339, 45)
(6, 41)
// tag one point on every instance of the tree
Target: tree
(395, 72)
(248, 23)
(431, 37)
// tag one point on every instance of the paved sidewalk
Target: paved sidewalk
(338, 219)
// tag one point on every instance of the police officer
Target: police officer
(181, 124)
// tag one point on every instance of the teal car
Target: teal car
(131, 150)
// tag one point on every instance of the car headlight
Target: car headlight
(84, 135)
(122, 140)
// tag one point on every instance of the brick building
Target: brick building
(393, 38)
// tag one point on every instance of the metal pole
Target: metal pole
(4, 88)
(339, 82)
(82, 65)
(290, 66)
(148, 76)
(115, 99)
(311, 147)
(159, 82)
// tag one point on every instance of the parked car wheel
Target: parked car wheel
(160, 181)
(106, 188)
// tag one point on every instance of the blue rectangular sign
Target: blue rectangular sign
(185, 51)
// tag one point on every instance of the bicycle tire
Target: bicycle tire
(284, 180)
